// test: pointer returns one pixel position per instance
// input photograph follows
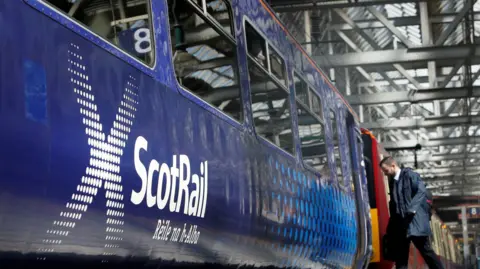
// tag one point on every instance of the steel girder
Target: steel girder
(392, 124)
(397, 22)
(424, 95)
(305, 5)
(436, 157)
(383, 57)
(446, 141)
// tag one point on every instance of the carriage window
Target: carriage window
(270, 100)
(218, 10)
(301, 89)
(312, 138)
(316, 104)
(277, 66)
(126, 24)
(270, 108)
(336, 146)
(205, 57)
(256, 45)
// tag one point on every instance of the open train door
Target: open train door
(356, 153)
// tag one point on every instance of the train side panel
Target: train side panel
(102, 157)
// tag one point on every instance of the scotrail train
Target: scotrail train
(180, 132)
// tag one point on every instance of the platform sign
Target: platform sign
(474, 210)
(472, 213)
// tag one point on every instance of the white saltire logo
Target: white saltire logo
(105, 153)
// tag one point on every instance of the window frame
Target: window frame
(269, 64)
(202, 12)
(342, 185)
(44, 7)
(239, 124)
(274, 79)
(321, 119)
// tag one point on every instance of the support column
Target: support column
(466, 247)
(348, 89)
(308, 32)
(330, 47)
(427, 40)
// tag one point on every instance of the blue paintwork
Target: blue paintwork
(44, 151)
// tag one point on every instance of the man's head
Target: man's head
(389, 166)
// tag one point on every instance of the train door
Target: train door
(355, 159)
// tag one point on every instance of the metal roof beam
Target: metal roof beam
(424, 95)
(422, 122)
(452, 26)
(436, 157)
(382, 57)
(446, 141)
(433, 181)
(398, 22)
(468, 170)
(294, 6)
(389, 26)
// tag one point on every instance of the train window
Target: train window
(256, 45)
(336, 145)
(205, 57)
(219, 11)
(316, 105)
(270, 107)
(301, 89)
(277, 66)
(312, 137)
(126, 24)
(270, 97)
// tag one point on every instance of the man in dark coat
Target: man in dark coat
(409, 215)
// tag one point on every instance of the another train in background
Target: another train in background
(442, 240)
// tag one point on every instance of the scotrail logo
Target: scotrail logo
(194, 201)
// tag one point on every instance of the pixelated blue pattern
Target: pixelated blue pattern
(319, 221)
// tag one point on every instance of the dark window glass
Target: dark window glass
(256, 45)
(205, 58)
(125, 24)
(312, 138)
(301, 89)
(270, 108)
(277, 66)
(336, 150)
(316, 105)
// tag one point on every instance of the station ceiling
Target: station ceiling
(411, 71)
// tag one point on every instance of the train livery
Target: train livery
(378, 191)
(152, 132)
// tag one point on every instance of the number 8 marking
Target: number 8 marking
(142, 35)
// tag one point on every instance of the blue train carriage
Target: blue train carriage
(193, 131)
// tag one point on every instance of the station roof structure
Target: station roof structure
(410, 69)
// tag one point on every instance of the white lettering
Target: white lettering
(151, 199)
(137, 197)
(205, 187)
(183, 185)
(174, 173)
(194, 199)
(193, 209)
(163, 177)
